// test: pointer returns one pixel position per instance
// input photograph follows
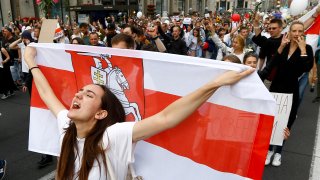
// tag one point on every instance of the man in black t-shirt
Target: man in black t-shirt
(110, 34)
(269, 46)
(14, 56)
(175, 45)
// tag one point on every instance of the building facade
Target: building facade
(200, 6)
(10, 10)
(99, 9)
(78, 10)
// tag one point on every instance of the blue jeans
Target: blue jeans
(303, 82)
(16, 71)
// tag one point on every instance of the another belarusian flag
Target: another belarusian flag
(226, 138)
(312, 32)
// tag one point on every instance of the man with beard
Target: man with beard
(175, 44)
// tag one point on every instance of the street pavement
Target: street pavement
(298, 150)
(22, 164)
(14, 127)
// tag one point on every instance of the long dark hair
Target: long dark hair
(92, 149)
(198, 36)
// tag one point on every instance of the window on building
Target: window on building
(121, 2)
(246, 4)
(199, 6)
(107, 2)
(181, 5)
(218, 6)
(240, 3)
(223, 5)
(133, 2)
(228, 5)
(159, 4)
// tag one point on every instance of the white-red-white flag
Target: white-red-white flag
(226, 138)
(312, 32)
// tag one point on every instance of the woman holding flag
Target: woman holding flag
(95, 141)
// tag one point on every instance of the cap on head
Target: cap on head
(26, 35)
(111, 26)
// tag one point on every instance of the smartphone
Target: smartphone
(150, 27)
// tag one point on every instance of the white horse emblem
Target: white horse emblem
(115, 80)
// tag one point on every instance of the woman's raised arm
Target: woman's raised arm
(45, 91)
(179, 110)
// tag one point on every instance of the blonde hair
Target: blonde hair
(296, 22)
(240, 40)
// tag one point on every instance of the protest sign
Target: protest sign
(47, 32)
(283, 108)
(83, 18)
(187, 21)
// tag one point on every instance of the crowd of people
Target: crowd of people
(282, 60)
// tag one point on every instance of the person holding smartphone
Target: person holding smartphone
(292, 59)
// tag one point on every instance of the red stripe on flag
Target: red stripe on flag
(62, 83)
(315, 28)
(220, 137)
(261, 144)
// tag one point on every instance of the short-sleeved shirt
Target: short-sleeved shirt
(269, 46)
(12, 52)
(24, 66)
(117, 142)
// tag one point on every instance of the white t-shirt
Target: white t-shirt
(117, 141)
(25, 67)
(227, 39)
(186, 36)
(1, 65)
(193, 43)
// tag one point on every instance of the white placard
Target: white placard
(48, 29)
(176, 18)
(283, 108)
(187, 21)
(83, 18)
